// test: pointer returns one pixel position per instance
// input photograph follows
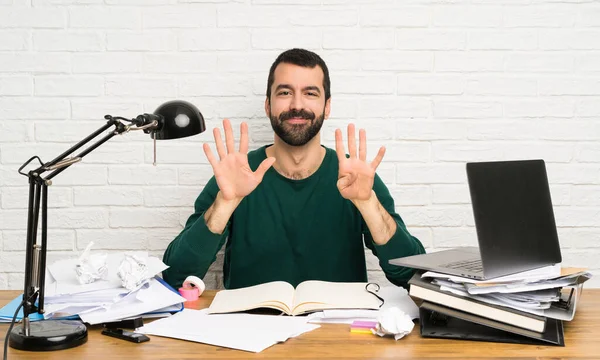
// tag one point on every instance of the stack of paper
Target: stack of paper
(105, 300)
(527, 307)
(102, 300)
(236, 331)
(153, 297)
(393, 296)
(553, 296)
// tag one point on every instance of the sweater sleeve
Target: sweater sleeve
(195, 248)
(401, 244)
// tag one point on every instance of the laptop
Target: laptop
(514, 220)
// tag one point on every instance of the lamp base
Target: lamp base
(48, 335)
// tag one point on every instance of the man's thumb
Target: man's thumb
(343, 182)
(264, 166)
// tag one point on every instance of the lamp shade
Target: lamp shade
(178, 119)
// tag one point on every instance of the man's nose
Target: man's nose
(296, 103)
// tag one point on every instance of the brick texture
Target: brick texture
(439, 83)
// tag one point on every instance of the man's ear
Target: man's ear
(327, 107)
(268, 107)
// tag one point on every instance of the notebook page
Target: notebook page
(277, 295)
(320, 295)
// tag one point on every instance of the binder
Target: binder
(425, 290)
(438, 321)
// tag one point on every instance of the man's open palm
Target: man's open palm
(356, 175)
(234, 176)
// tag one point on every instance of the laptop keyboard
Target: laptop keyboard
(470, 265)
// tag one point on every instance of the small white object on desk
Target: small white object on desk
(133, 271)
(91, 267)
(393, 321)
(192, 288)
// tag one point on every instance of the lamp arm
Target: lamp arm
(35, 256)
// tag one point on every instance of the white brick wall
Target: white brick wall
(438, 82)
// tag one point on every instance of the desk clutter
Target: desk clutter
(525, 308)
(224, 324)
(102, 288)
(118, 290)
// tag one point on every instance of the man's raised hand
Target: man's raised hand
(232, 172)
(356, 176)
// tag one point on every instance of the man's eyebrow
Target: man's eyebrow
(283, 86)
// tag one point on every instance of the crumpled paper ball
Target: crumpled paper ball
(91, 267)
(393, 321)
(132, 271)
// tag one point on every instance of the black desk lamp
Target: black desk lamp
(171, 120)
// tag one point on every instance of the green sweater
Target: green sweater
(289, 230)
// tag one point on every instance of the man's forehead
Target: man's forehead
(299, 76)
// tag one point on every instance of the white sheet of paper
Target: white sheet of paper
(237, 331)
(58, 311)
(573, 279)
(105, 296)
(495, 301)
(338, 320)
(342, 316)
(396, 296)
(546, 272)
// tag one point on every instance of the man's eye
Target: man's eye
(312, 94)
(284, 93)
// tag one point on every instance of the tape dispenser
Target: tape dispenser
(192, 288)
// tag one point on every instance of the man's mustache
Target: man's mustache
(302, 114)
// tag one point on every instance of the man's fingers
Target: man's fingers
(229, 136)
(263, 167)
(362, 145)
(351, 141)
(211, 157)
(339, 145)
(378, 158)
(219, 143)
(244, 138)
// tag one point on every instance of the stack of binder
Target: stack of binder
(513, 312)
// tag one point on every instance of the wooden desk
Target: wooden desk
(582, 338)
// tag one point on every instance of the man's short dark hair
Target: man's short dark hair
(304, 58)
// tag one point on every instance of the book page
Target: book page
(320, 295)
(275, 295)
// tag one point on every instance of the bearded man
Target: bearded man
(293, 210)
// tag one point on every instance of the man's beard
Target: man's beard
(297, 134)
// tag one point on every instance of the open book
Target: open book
(308, 296)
